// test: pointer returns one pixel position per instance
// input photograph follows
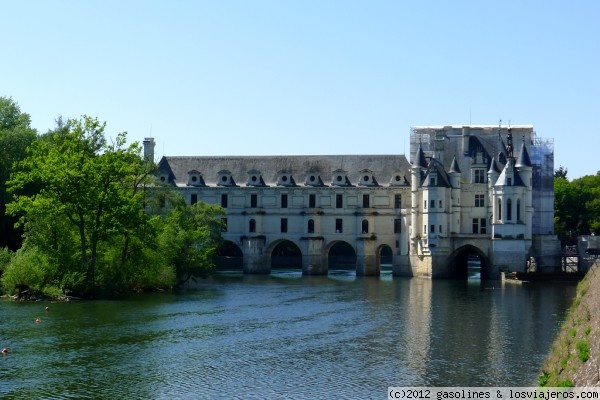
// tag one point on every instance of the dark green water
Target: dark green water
(282, 336)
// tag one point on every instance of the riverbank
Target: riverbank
(574, 358)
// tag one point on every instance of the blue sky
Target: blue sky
(307, 77)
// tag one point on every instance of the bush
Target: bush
(28, 269)
(583, 350)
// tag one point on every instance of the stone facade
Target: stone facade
(465, 196)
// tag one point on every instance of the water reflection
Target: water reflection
(285, 334)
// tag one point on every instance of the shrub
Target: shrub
(583, 350)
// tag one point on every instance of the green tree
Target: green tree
(190, 237)
(16, 135)
(87, 184)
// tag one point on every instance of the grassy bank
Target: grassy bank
(573, 360)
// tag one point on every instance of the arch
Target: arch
(385, 256)
(509, 209)
(284, 253)
(365, 226)
(465, 260)
(339, 255)
(230, 256)
(310, 226)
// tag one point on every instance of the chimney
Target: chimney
(149, 149)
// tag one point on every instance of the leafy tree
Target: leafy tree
(561, 172)
(88, 185)
(576, 207)
(190, 237)
(15, 135)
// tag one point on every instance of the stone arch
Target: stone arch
(458, 262)
(230, 256)
(339, 254)
(284, 253)
(384, 256)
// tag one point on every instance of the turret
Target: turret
(455, 177)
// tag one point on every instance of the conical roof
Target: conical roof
(523, 160)
(420, 160)
(454, 167)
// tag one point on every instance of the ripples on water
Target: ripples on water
(282, 335)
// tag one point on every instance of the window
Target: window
(479, 225)
(284, 225)
(425, 204)
(440, 230)
(224, 200)
(224, 222)
(397, 225)
(366, 203)
(312, 200)
(284, 201)
(479, 200)
(431, 203)
(339, 201)
(253, 200)
(518, 209)
(425, 229)
(479, 176)
(194, 199)
(365, 226)
(431, 181)
(509, 210)
(311, 226)
(440, 203)
(397, 201)
(339, 226)
(252, 226)
(397, 244)
(432, 229)
(509, 181)
(499, 210)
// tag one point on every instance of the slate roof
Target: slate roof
(385, 167)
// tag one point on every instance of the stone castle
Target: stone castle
(480, 194)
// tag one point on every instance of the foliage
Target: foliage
(583, 350)
(30, 270)
(190, 237)
(87, 229)
(576, 207)
(15, 135)
(90, 195)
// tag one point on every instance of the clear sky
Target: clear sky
(283, 77)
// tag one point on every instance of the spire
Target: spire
(493, 166)
(523, 160)
(420, 158)
(454, 167)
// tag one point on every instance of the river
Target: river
(282, 336)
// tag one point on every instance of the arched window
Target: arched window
(499, 210)
(365, 226)
(311, 226)
(518, 209)
(509, 210)
(252, 225)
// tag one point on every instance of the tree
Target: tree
(190, 237)
(15, 135)
(87, 184)
(561, 172)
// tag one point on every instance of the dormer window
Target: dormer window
(398, 179)
(285, 178)
(224, 178)
(195, 178)
(255, 178)
(313, 179)
(163, 177)
(339, 178)
(367, 178)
